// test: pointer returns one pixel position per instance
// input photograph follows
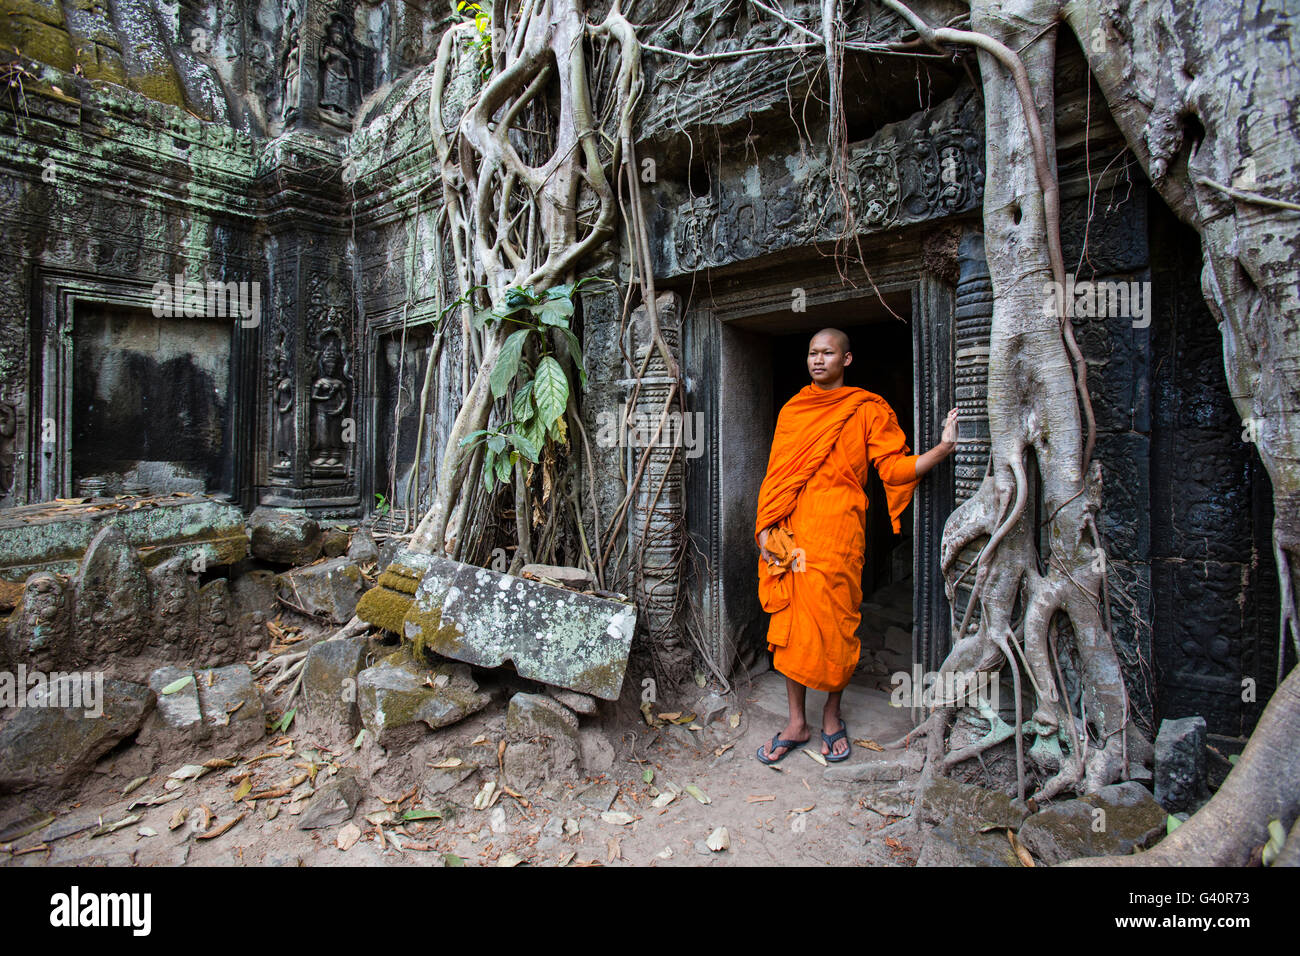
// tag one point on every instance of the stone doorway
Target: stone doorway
(746, 357)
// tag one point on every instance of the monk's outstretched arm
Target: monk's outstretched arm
(947, 445)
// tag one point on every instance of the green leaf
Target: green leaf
(573, 348)
(526, 448)
(422, 815)
(283, 723)
(177, 685)
(564, 291)
(484, 316)
(497, 444)
(451, 859)
(1276, 838)
(471, 437)
(517, 298)
(1172, 823)
(507, 362)
(648, 775)
(554, 312)
(489, 461)
(534, 431)
(503, 466)
(550, 390)
(522, 404)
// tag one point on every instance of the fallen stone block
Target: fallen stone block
(334, 802)
(362, 548)
(544, 746)
(1181, 783)
(329, 687)
(981, 807)
(57, 741)
(952, 843)
(578, 703)
(330, 589)
(232, 704)
(400, 700)
(1111, 822)
(177, 719)
(552, 635)
(284, 537)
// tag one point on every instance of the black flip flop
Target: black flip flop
(778, 741)
(829, 740)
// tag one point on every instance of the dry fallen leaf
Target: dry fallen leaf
(869, 744)
(615, 850)
(719, 840)
(760, 797)
(212, 834)
(178, 818)
(617, 817)
(245, 788)
(1021, 852)
(816, 756)
(697, 793)
(349, 834)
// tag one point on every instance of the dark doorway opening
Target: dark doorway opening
(151, 401)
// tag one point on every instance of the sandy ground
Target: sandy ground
(791, 814)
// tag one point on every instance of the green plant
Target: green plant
(539, 401)
(482, 40)
(382, 505)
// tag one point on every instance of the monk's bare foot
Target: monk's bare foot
(800, 733)
(831, 726)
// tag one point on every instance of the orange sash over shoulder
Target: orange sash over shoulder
(806, 431)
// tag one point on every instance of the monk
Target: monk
(811, 532)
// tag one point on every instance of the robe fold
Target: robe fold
(815, 489)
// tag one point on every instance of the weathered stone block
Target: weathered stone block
(329, 686)
(334, 802)
(1064, 831)
(232, 704)
(400, 700)
(544, 745)
(944, 797)
(386, 604)
(551, 634)
(1180, 775)
(330, 589)
(362, 548)
(51, 745)
(177, 719)
(284, 537)
(953, 843)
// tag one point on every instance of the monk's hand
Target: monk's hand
(767, 555)
(949, 436)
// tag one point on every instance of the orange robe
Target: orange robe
(815, 488)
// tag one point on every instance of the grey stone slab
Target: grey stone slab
(400, 700)
(1130, 819)
(177, 713)
(231, 704)
(1180, 765)
(550, 634)
(49, 745)
(329, 686)
(330, 589)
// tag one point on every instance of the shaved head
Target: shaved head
(828, 356)
(841, 340)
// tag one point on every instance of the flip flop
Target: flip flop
(829, 741)
(778, 741)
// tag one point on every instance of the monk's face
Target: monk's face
(827, 361)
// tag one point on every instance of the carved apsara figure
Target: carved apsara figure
(329, 401)
(338, 74)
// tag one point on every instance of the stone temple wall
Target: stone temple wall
(283, 148)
